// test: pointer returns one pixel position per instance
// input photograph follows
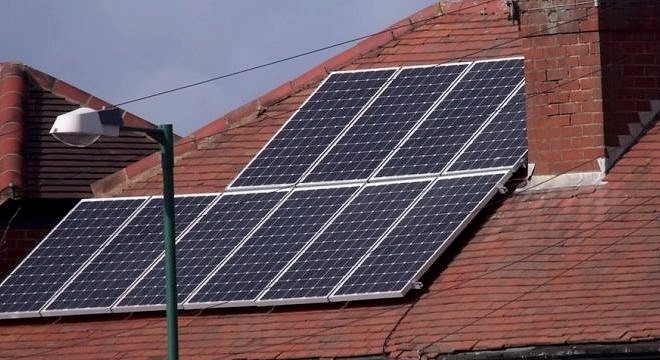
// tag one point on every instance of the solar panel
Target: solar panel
(312, 128)
(383, 125)
(501, 143)
(456, 119)
(127, 256)
(73, 242)
(423, 233)
(351, 234)
(440, 139)
(271, 247)
(205, 245)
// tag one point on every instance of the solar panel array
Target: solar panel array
(354, 198)
(127, 255)
(314, 126)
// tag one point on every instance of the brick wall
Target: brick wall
(562, 76)
(630, 47)
(588, 70)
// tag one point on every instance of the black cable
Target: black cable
(581, 233)
(249, 69)
(292, 57)
(331, 46)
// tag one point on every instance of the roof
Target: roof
(208, 159)
(578, 265)
(33, 164)
(570, 266)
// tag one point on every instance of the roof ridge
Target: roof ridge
(317, 73)
(15, 80)
(76, 95)
(238, 116)
(320, 71)
(249, 113)
(12, 94)
(72, 93)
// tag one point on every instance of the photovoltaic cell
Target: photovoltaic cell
(503, 142)
(316, 124)
(456, 119)
(209, 241)
(63, 252)
(349, 237)
(420, 235)
(383, 125)
(285, 239)
(276, 242)
(126, 257)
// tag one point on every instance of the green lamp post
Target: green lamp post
(81, 128)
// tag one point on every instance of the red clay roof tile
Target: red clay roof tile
(576, 265)
(36, 164)
(455, 36)
(572, 266)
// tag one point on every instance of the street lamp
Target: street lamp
(81, 128)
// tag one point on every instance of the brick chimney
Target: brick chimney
(592, 73)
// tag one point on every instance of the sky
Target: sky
(125, 49)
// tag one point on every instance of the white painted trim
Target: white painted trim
(369, 296)
(137, 308)
(80, 311)
(217, 304)
(292, 301)
(20, 315)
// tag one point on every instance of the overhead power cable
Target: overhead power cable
(317, 50)
(201, 311)
(296, 56)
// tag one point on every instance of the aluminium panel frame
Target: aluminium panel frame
(395, 71)
(188, 304)
(321, 299)
(38, 313)
(505, 175)
(101, 310)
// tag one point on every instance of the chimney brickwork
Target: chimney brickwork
(591, 70)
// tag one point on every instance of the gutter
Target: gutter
(629, 351)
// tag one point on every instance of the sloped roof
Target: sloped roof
(577, 265)
(208, 159)
(36, 165)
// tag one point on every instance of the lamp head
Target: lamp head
(83, 126)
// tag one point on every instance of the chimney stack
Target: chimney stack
(592, 82)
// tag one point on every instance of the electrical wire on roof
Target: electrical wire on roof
(200, 311)
(296, 56)
(246, 70)
(553, 278)
(440, 13)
